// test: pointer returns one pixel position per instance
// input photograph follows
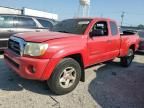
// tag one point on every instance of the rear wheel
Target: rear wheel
(65, 77)
(127, 60)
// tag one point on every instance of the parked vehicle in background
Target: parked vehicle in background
(46, 23)
(61, 56)
(11, 24)
(141, 45)
(141, 35)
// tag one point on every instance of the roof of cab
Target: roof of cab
(93, 18)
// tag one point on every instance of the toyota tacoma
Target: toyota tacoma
(61, 55)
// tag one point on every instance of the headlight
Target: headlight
(35, 49)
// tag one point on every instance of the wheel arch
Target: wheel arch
(133, 47)
(78, 57)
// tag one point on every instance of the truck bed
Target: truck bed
(128, 39)
(128, 33)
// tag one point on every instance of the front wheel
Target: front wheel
(127, 60)
(65, 77)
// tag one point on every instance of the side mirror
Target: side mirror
(97, 32)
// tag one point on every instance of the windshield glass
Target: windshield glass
(141, 34)
(74, 26)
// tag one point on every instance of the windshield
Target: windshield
(74, 26)
(141, 34)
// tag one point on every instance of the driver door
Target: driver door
(98, 43)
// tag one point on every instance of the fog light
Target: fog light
(32, 69)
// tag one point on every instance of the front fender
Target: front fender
(72, 51)
(66, 52)
(59, 56)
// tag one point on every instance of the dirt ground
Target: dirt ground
(107, 86)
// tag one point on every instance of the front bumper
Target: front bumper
(29, 68)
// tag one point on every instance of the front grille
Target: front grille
(14, 46)
(12, 62)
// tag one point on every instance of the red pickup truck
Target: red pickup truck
(60, 56)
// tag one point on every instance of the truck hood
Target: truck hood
(43, 36)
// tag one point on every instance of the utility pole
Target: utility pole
(122, 18)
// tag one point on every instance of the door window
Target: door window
(45, 23)
(24, 22)
(6, 21)
(100, 29)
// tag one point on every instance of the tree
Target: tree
(141, 26)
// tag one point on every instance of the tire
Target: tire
(68, 70)
(127, 60)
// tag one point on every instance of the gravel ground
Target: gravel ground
(107, 86)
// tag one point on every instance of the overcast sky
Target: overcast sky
(134, 9)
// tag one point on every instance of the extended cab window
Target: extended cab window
(114, 29)
(24, 22)
(100, 29)
(74, 26)
(6, 21)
